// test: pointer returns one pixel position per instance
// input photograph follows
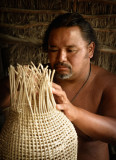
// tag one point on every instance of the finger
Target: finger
(60, 95)
(60, 107)
(57, 91)
(56, 86)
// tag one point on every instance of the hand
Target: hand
(63, 104)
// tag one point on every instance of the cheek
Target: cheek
(76, 60)
(74, 63)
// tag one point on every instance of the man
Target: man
(84, 92)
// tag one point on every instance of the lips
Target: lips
(61, 68)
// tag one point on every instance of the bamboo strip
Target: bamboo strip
(105, 29)
(23, 26)
(103, 1)
(108, 50)
(99, 16)
(16, 10)
(20, 40)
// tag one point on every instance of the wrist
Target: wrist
(75, 115)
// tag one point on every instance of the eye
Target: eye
(71, 50)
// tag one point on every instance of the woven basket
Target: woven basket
(34, 129)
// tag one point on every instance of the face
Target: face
(68, 52)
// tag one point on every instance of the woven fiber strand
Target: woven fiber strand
(34, 129)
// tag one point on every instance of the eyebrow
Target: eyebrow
(70, 46)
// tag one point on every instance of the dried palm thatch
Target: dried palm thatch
(102, 21)
(37, 5)
(34, 129)
(24, 54)
(96, 7)
(107, 61)
(106, 38)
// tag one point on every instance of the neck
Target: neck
(79, 81)
(78, 91)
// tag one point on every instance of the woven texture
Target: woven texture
(34, 129)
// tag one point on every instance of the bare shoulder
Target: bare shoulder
(103, 77)
(106, 81)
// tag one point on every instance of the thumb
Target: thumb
(60, 107)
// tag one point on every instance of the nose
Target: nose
(62, 56)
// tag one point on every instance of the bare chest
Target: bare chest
(88, 98)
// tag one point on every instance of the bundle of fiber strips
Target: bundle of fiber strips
(34, 129)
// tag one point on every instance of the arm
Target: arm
(99, 127)
(4, 93)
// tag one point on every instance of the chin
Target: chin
(63, 76)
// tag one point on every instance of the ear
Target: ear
(91, 48)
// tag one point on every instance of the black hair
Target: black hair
(69, 20)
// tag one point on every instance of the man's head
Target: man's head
(69, 20)
(70, 43)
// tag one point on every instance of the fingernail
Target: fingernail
(53, 89)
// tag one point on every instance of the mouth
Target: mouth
(61, 68)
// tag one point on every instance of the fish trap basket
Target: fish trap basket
(34, 128)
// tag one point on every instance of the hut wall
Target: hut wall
(102, 16)
(23, 23)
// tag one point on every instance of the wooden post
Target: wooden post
(74, 5)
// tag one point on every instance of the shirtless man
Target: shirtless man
(84, 92)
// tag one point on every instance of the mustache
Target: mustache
(62, 64)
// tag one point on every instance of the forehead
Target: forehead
(66, 36)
